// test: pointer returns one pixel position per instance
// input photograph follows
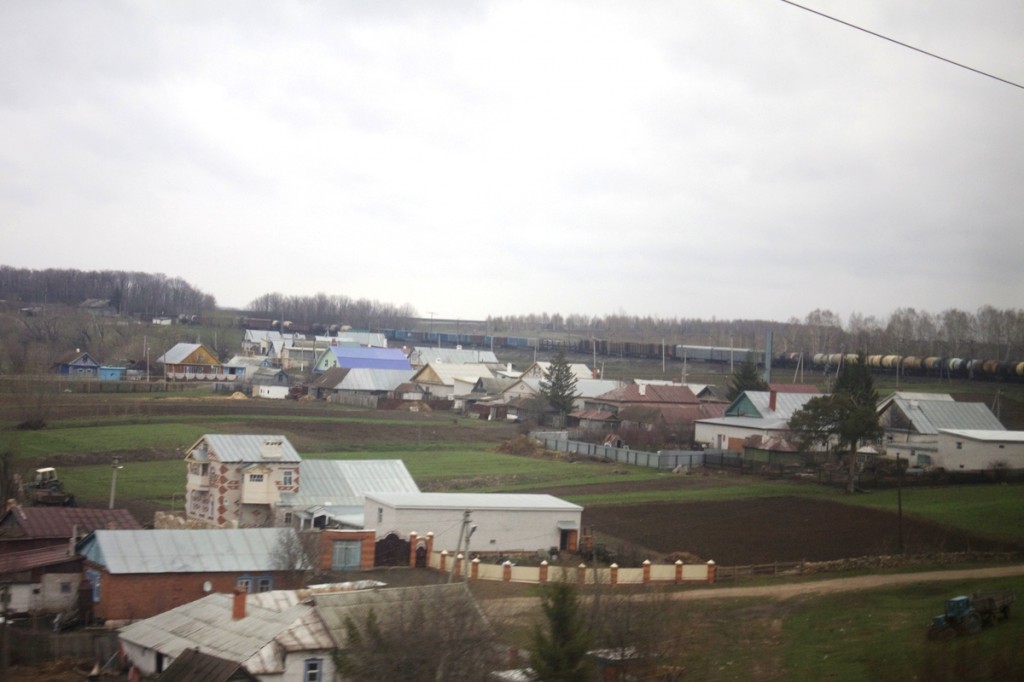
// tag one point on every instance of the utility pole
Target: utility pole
(115, 467)
(463, 533)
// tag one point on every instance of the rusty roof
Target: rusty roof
(62, 522)
(650, 393)
(16, 562)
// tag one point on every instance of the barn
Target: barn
(979, 450)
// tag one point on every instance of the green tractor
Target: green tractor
(966, 615)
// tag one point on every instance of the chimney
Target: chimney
(238, 605)
(772, 400)
(272, 448)
(643, 389)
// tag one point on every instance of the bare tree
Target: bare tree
(297, 553)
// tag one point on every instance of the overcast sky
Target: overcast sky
(683, 158)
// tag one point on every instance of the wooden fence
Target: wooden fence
(30, 646)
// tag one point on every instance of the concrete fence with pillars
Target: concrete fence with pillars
(648, 574)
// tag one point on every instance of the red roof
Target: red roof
(62, 522)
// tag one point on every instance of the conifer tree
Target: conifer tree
(559, 386)
(745, 378)
(559, 648)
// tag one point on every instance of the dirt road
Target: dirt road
(521, 605)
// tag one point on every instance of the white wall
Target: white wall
(958, 453)
(524, 530)
(274, 392)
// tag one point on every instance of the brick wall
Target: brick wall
(141, 595)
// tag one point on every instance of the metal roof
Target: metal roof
(374, 380)
(447, 374)
(252, 641)
(344, 483)
(785, 403)
(373, 358)
(243, 448)
(62, 522)
(928, 416)
(988, 436)
(228, 550)
(480, 501)
(423, 355)
(178, 353)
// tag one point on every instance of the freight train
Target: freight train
(966, 368)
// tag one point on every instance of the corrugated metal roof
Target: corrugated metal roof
(61, 522)
(785, 403)
(185, 551)
(928, 416)
(988, 436)
(193, 665)
(447, 374)
(15, 562)
(373, 358)
(344, 483)
(252, 641)
(243, 448)
(374, 380)
(423, 355)
(178, 353)
(492, 501)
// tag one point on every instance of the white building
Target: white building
(504, 523)
(979, 450)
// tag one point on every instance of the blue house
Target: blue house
(78, 365)
(112, 373)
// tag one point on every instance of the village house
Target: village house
(193, 362)
(28, 527)
(237, 480)
(765, 414)
(274, 635)
(446, 381)
(913, 422)
(139, 573)
(77, 365)
(421, 356)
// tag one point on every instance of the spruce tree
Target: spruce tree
(559, 648)
(745, 378)
(559, 386)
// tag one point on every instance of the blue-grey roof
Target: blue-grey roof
(373, 358)
(490, 501)
(987, 436)
(344, 483)
(243, 448)
(928, 416)
(233, 550)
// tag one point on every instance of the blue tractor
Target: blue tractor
(966, 615)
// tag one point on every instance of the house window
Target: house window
(313, 670)
(255, 478)
(288, 518)
(959, 445)
(346, 555)
(380, 514)
(244, 584)
(264, 584)
(65, 588)
(287, 477)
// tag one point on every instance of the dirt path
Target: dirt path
(521, 605)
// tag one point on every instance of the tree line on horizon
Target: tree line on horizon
(988, 332)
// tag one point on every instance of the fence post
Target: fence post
(458, 564)
(542, 575)
(474, 570)
(614, 571)
(581, 574)
(444, 560)
(679, 571)
(647, 571)
(506, 571)
(413, 541)
(711, 570)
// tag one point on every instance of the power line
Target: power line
(910, 47)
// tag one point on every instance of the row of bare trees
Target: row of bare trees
(989, 332)
(129, 293)
(330, 309)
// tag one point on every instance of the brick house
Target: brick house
(238, 480)
(139, 573)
